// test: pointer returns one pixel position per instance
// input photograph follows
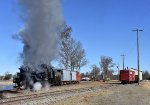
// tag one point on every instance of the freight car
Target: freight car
(69, 77)
(44, 74)
(129, 76)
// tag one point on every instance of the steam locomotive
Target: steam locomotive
(44, 74)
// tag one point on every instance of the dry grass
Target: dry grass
(120, 95)
(146, 85)
(8, 82)
(84, 99)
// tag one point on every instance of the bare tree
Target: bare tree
(77, 57)
(64, 45)
(95, 73)
(146, 75)
(72, 55)
(106, 63)
(7, 76)
(110, 74)
(83, 75)
(87, 74)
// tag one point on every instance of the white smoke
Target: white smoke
(46, 86)
(40, 33)
(37, 86)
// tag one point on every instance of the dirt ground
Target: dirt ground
(130, 94)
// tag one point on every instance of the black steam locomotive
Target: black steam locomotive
(43, 74)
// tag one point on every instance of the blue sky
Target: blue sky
(103, 27)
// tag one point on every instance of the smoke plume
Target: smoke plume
(42, 19)
(37, 86)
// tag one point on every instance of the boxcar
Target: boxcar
(70, 77)
(73, 76)
(65, 75)
(127, 76)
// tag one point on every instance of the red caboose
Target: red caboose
(127, 76)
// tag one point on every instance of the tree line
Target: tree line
(146, 75)
(102, 72)
(7, 76)
(105, 72)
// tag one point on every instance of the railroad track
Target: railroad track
(36, 96)
(30, 97)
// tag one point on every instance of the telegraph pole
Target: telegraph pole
(118, 71)
(123, 59)
(138, 54)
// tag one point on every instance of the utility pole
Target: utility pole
(123, 59)
(138, 54)
(118, 71)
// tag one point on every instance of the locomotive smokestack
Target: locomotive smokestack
(40, 32)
